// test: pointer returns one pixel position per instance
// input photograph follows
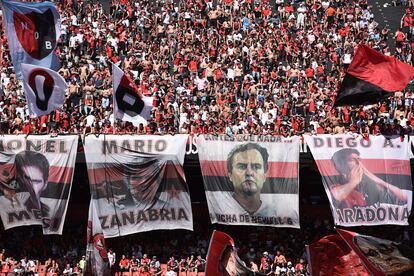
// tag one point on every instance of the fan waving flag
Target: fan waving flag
(380, 257)
(372, 77)
(129, 104)
(33, 30)
(45, 89)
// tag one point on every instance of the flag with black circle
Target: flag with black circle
(45, 89)
(129, 104)
(33, 30)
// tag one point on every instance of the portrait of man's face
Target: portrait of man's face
(144, 180)
(345, 160)
(248, 172)
(352, 160)
(33, 176)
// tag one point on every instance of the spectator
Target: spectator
(124, 264)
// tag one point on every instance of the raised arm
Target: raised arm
(341, 192)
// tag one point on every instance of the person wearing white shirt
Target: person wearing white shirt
(74, 20)
(300, 21)
(230, 73)
(170, 272)
(111, 258)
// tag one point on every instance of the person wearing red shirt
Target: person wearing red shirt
(145, 260)
(124, 264)
(199, 264)
(265, 263)
(309, 72)
(144, 270)
(300, 266)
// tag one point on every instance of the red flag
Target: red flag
(372, 77)
(222, 259)
(331, 256)
(381, 257)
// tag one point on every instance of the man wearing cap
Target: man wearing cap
(290, 269)
(155, 266)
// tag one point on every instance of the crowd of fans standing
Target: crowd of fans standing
(226, 67)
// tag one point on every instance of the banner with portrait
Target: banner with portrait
(138, 183)
(251, 180)
(368, 181)
(36, 175)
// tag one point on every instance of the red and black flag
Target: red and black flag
(372, 77)
(222, 258)
(33, 30)
(332, 256)
(44, 89)
(380, 257)
(129, 104)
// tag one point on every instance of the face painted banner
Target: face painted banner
(44, 89)
(368, 181)
(35, 180)
(33, 30)
(251, 180)
(129, 104)
(138, 183)
(380, 256)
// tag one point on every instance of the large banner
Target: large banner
(251, 180)
(33, 30)
(138, 184)
(368, 181)
(35, 180)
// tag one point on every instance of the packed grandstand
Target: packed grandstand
(251, 67)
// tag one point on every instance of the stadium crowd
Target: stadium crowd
(264, 250)
(228, 67)
(232, 67)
